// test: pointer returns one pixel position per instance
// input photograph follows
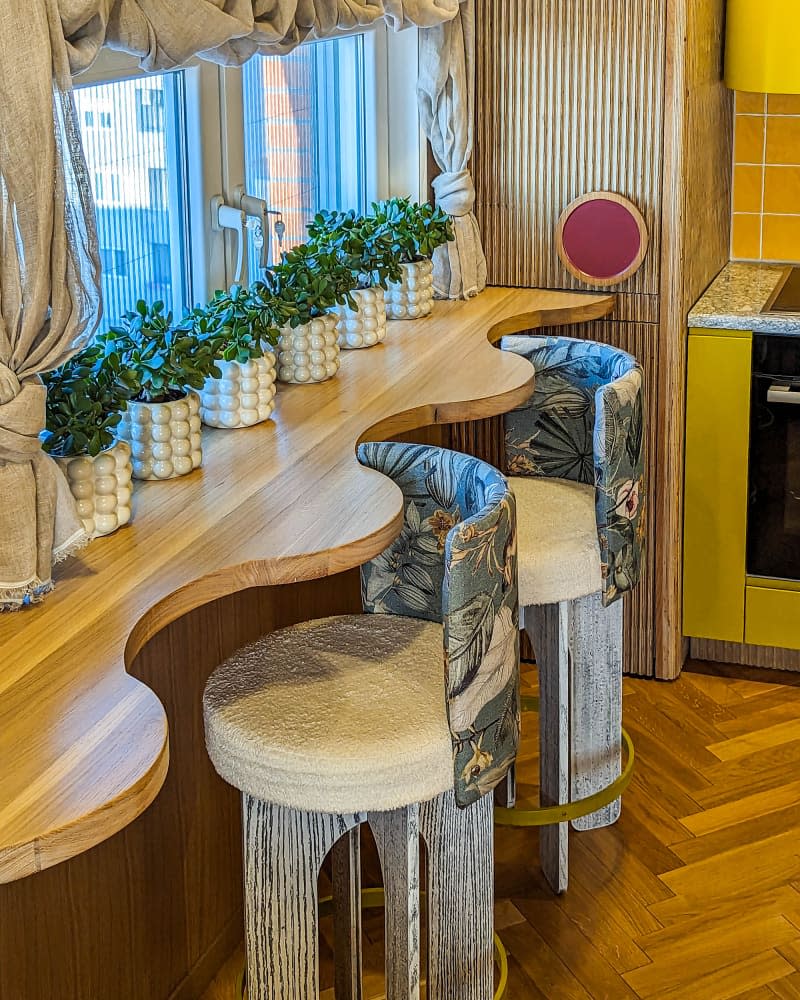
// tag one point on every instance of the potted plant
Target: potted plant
(300, 292)
(417, 231)
(85, 400)
(240, 325)
(163, 363)
(364, 246)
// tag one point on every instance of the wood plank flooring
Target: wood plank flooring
(695, 893)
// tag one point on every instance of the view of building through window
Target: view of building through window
(304, 149)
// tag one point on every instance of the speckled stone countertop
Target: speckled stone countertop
(736, 297)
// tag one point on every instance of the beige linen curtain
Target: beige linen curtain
(49, 287)
(49, 270)
(446, 90)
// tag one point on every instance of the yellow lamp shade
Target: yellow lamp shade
(762, 47)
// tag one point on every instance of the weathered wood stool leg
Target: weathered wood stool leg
(397, 839)
(547, 626)
(596, 703)
(346, 858)
(460, 872)
(283, 853)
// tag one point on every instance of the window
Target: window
(332, 125)
(305, 133)
(150, 107)
(136, 206)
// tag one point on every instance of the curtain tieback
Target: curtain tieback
(455, 192)
(9, 384)
(22, 417)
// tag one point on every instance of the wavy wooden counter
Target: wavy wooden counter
(83, 743)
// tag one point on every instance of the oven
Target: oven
(773, 515)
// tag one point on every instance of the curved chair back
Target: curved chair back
(455, 562)
(585, 422)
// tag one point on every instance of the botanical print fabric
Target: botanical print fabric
(455, 561)
(585, 422)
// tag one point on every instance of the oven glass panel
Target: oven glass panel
(773, 523)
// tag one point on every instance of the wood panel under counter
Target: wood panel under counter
(100, 686)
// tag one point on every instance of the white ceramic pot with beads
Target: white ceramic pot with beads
(243, 396)
(412, 296)
(365, 325)
(164, 437)
(101, 485)
(309, 353)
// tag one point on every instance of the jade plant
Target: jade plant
(363, 244)
(417, 230)
(160, 360)
(305, 285)
(85, 400)
(238, 323)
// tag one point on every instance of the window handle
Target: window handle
(227, 217)
(258, 210)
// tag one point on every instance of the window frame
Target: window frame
(396, 161)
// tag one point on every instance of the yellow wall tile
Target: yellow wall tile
(746, 240)
(781, 238)
(781, 190)
(783, 140)
(747, 188)
(749, 104)
(749, 139)
(783, 104)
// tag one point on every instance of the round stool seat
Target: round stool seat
(338, 715)
(559, 554)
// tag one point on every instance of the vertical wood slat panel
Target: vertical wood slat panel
(570, 99)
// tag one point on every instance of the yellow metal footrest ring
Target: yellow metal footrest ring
(567, 811)
(372, 899)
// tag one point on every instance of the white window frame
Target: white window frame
(396, 148)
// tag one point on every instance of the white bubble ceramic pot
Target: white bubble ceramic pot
(101, 485)
(309, 353)
(365, 325)
(412, 296)
(164, 437)
(243, 396)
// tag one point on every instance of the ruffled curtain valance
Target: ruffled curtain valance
(49, 268)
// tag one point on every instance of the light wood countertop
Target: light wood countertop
(84, 745)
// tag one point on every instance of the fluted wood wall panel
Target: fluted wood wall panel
(570, 99)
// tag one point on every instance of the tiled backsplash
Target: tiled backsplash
(766, 178)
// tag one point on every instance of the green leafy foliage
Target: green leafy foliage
(363, 244)
(416, 230)
(85, 399)
(238, 323)
(159, 360)
(308, 282)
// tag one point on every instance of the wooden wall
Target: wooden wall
(622, 95)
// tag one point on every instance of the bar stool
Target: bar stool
(575, 457)
(404, 717)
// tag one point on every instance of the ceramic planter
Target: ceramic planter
(309, 353)
(365, 325)
(245, 395)
(412, 296)
(101, 486)
(164, 437)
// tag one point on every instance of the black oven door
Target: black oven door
(773, 523)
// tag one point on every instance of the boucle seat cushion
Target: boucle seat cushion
(337, 715)
(559, 554)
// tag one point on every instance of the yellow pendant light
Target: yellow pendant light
(762, 47)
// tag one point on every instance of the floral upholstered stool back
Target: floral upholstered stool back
(575, 455)
(404, 717)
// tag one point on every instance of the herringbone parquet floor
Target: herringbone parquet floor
(695, 893)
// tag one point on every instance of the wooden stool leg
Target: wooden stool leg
(346, 857)
(460, 872)
(547, 626)
(283, 853)
(596, 700)
(397, 839)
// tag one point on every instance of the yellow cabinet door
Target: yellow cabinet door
(715, 492)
